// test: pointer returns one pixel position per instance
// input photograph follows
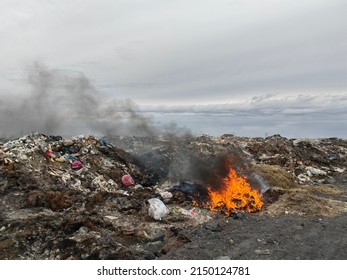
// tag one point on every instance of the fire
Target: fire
(235, 193)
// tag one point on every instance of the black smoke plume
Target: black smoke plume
(212, 172)
(57, 103)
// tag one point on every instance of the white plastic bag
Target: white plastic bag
(157, 209)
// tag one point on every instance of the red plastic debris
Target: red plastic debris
(76, 164)
(49, 153)
(127, 180)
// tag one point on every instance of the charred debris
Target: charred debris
(140, 197)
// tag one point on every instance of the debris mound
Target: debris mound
(82, 198)
(133, 197)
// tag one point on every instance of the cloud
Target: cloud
(291, 116)
(186, 52)
(68, 103)
(156, 51)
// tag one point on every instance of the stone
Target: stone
(262, 252)
(107, 163)
(303, 178)
(226, 258)
(339, 170)
(111, 217)
(238, 215)
(166, 196)
(157, 237)
(315, 171)
(213, 226)
(138, 187)
(154, 247)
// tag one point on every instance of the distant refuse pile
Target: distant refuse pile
(84, 159)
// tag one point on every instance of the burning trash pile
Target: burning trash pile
(235, 193)
(298, 176)
(83, 198)
(231, 194)
(138, 198)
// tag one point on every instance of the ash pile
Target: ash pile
(138, 197)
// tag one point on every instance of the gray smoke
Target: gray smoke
(68, 105)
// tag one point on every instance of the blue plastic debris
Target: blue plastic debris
(71, 157)
(103, 141)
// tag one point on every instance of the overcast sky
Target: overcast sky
(249, 54)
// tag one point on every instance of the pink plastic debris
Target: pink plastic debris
(76, 164)
(127, 180)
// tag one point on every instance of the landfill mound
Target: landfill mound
(119, 197)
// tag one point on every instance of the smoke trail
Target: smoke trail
(61, 104)
(213, 171)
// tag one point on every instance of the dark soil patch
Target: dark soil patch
(288, 237)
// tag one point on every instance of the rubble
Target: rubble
(311, 157)
(311, 171)
(166, 196)
(314, 158)
(131, 197)
(76, 199)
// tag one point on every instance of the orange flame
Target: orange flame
(235, 193)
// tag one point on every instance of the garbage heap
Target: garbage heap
(297, 176)
(115, 198)
(310, 161)
(83, 198)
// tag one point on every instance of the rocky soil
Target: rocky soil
(87, 198)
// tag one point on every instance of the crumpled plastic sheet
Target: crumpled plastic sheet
(157, 209)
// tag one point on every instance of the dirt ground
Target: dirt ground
(305, 223)
(256, 236)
